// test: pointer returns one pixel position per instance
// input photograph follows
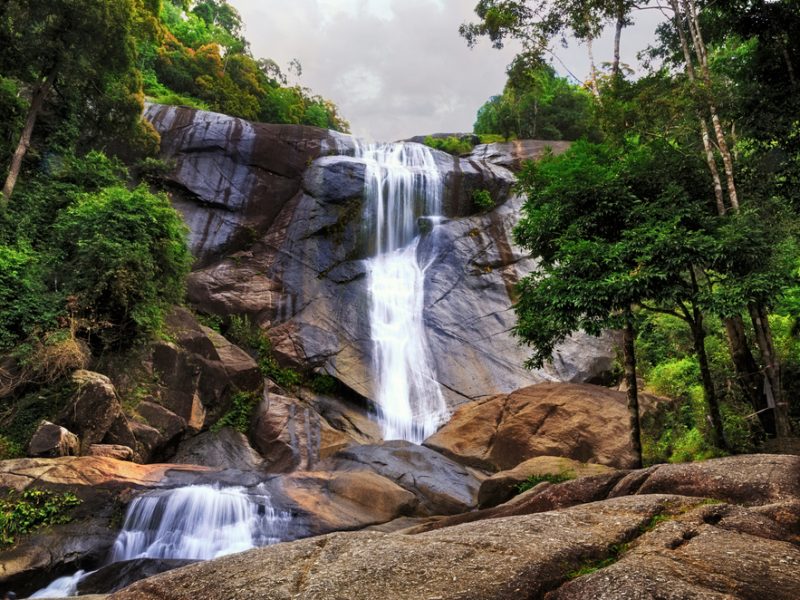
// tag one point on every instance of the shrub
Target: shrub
(482, 199)
(240, 413)
(125, 260)
(22, 513)
(451, 145)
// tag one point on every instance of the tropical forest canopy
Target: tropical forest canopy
(674, 217)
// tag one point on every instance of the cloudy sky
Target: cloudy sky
(398, 68)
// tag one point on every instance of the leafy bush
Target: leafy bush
(244, 333)
(451, 145)
(125, 255)
(22, 513)
(482, 199)
(240, 414)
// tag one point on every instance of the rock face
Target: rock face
(53, 441)
(116, 576)
(292, 433)
(224, 449)
(583, 422)
(279, 234)
(512, 155)
(580, 543)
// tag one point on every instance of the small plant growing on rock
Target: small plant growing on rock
(534, 480)
(25, 512)
(482, 200)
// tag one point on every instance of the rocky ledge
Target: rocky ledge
(722, 529)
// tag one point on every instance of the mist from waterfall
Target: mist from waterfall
(402, 186)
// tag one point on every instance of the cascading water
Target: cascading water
(198, 522)
(402, 185)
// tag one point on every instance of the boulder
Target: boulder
(95, 413)
(504, 485)
(148, 441)
(583, 422)
(224, 449)
(52, 441)
(111, 451)
(291, 434)
(116, 576)
(441, 485)
(321, 502)
(170, 426)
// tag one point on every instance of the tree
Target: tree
(616, 230)
(65, 45)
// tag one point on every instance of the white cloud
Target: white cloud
(397, 68)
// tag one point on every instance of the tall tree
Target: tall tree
(64, 45)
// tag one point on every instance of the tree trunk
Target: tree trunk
(772, 369)
(748, 373)
(615, 71)
(592, 68)
(628, 349)
(699, 338)
(39, 94)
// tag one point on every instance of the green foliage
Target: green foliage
(25, 512)
(482, 199)
(615, 552)
(244, 333)
(127, 255)
(538, 104)
(240, 414)
(20, 416)
(10, 449)
(534, 480)
(451, 145)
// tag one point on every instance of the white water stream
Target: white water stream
(402, 185)
(198, 522)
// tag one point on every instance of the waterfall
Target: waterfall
(402, 185)
(196, 522)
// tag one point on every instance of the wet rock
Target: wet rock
(441, 485)
(111, 451)
(504, 485)
(582, 422)
(52, 441)
(116, 576)
(225, 449)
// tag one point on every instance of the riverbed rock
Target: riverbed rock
(116, 576)
(53, 441)
(441, 485)
(524, 556)
(321, 502)
(224, 449)
(504, 485)
(582, 422)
